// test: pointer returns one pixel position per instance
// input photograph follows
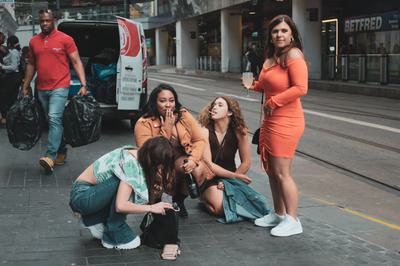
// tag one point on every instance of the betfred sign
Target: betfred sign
(378, 22)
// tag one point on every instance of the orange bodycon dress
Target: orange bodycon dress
(283, 87)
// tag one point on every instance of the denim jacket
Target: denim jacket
(241, 202)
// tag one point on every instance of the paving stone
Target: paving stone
(38, 227)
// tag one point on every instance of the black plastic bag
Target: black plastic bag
(105, 90)
(82, 121)
(24, 120)
(159, 229)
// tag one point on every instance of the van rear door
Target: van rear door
(130, 65)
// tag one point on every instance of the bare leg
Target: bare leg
(212, 198)
(277, 196)
(281, 168)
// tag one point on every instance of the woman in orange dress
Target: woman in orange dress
(283, 79)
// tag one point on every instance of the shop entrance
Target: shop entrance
(329, 34)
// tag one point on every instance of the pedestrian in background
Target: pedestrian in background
(225, 132)
(49, 56)
(10, 80)
(123, 181)
(165, 116)
(255, 58)
(283, 80)
(24, 60)
(3, 49)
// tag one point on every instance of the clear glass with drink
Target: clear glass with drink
(247, 79)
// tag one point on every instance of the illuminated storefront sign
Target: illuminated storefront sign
(378, 22)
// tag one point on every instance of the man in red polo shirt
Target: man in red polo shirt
(50, 54)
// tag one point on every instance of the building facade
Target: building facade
(343, 40)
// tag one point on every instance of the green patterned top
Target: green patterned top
(126, 167)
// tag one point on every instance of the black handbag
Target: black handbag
(159, 230)
(256, 136)
(256, 139)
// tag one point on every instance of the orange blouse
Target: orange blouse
(283, 87)
(189, 133)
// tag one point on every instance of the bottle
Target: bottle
(191, 184)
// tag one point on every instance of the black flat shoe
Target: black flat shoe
(182, 209)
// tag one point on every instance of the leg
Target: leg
(181, 191)
(56, 106)
(93, 201)
(3, 96)
(212, 198)
(288, 188)
(117, 232)
(277, 196)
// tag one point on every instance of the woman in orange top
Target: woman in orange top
(283, 79)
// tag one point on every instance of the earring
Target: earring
(291, 39)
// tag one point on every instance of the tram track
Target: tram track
(394, 189)
(348, 172)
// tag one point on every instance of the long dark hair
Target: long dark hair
(151, 105)
(296, 43)
(13, 42)
(156, 157)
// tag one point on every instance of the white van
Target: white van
(114, 58)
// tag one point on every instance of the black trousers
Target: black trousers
(9, 88)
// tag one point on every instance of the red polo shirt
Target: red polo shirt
(50, 54)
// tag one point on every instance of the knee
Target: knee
(281, 177)
(214, 209)
(55, 120)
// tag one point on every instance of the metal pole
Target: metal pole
(362, 68)
(126, 8)
(33, 19)
(383, 69)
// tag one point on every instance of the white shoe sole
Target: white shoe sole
(287, 233)
(131, 245)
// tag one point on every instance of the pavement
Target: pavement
(37, 226)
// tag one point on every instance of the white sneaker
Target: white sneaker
(271, 219)
(96, 230)
(130, 245)
(288, 227)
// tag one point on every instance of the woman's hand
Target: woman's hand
(250, 88)
(189, 166)
(169, 120)
(160, 207)
(220, 185)
(244, 178)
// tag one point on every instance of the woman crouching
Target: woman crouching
(123, 181)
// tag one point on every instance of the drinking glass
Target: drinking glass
(247, 79)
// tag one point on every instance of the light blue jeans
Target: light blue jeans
(53, 103)
(96, 204)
